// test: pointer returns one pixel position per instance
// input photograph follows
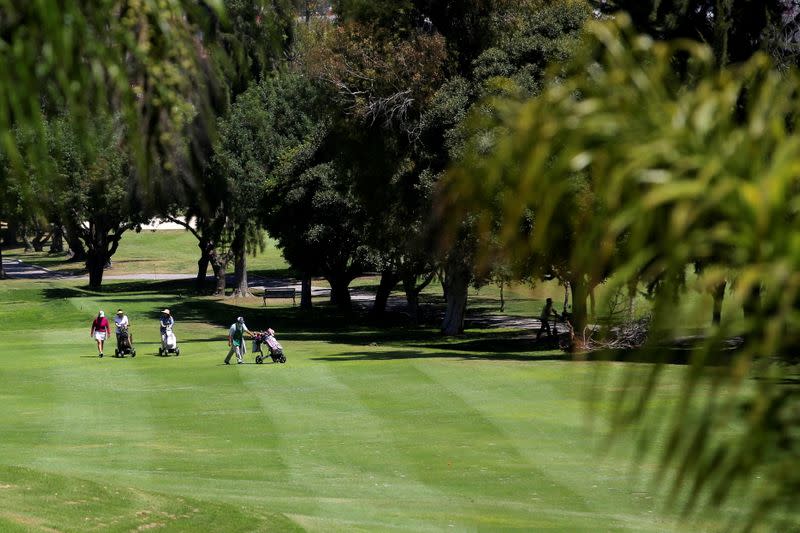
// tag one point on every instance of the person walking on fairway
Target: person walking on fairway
(122, 323)
(166, 321)
(547, 311)
(236, 341)
(100, 331)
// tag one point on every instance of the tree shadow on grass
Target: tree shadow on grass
(174, 288)
(395, 355)
(495, 342)
(323, 323)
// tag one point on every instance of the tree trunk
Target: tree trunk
(39, 238)
(719, 295)
(95, 264)
(580, 291)
(389, 280)
(219, 263)
(340, 292)
(11, 234)
(202, 265)
(73, 239)
(305, 293)
(752, 303)
(219, 273)
(412, 302)
(631, 300)
(239, 246)
(26, 240)
(57, 243)
(457, 278)
(413, 291)
(2, 270)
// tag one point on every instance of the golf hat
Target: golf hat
(119, 312)
(240, 319)
(165, 311)
(101, 314)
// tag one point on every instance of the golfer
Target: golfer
(121, 324)
(100, 330)
(236, 341)
(166, 321)
(547, 311)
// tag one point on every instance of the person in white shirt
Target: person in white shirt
(121, 320)
(122, 325)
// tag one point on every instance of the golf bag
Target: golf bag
(169, 343)
(274, 347)
(124, 344)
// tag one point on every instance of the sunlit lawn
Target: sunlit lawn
(361, 430)
(154, 252)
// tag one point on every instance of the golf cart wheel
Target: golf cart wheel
(116, 352)
(177, 352)
(133, 353)
(160, 352)
(258, 360)
(283, 359)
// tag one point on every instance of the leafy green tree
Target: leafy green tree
(159, 64)
(95, 188)
(381, 81)
(267, 121)
(320, 227)
(676, 172)
(410, 104)
(238, 49)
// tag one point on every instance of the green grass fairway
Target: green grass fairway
(361, 430)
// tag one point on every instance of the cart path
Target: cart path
(16, 269)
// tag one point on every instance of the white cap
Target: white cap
(240, 319)
(101, 314)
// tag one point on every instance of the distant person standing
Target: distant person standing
(100, 330)
(547, 312)
(236, 341)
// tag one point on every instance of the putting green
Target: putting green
(360, 431)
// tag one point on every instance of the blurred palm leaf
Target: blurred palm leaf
(654, 159)
(136, 57)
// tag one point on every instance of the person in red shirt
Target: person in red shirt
(100, 330)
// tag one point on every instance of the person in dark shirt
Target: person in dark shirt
(547, 312)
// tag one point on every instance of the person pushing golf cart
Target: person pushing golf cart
(124, 336)
(544, 318)
(236, 341)
(169, 344)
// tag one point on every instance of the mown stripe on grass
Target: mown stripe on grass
(337, 451)
(443, 442)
